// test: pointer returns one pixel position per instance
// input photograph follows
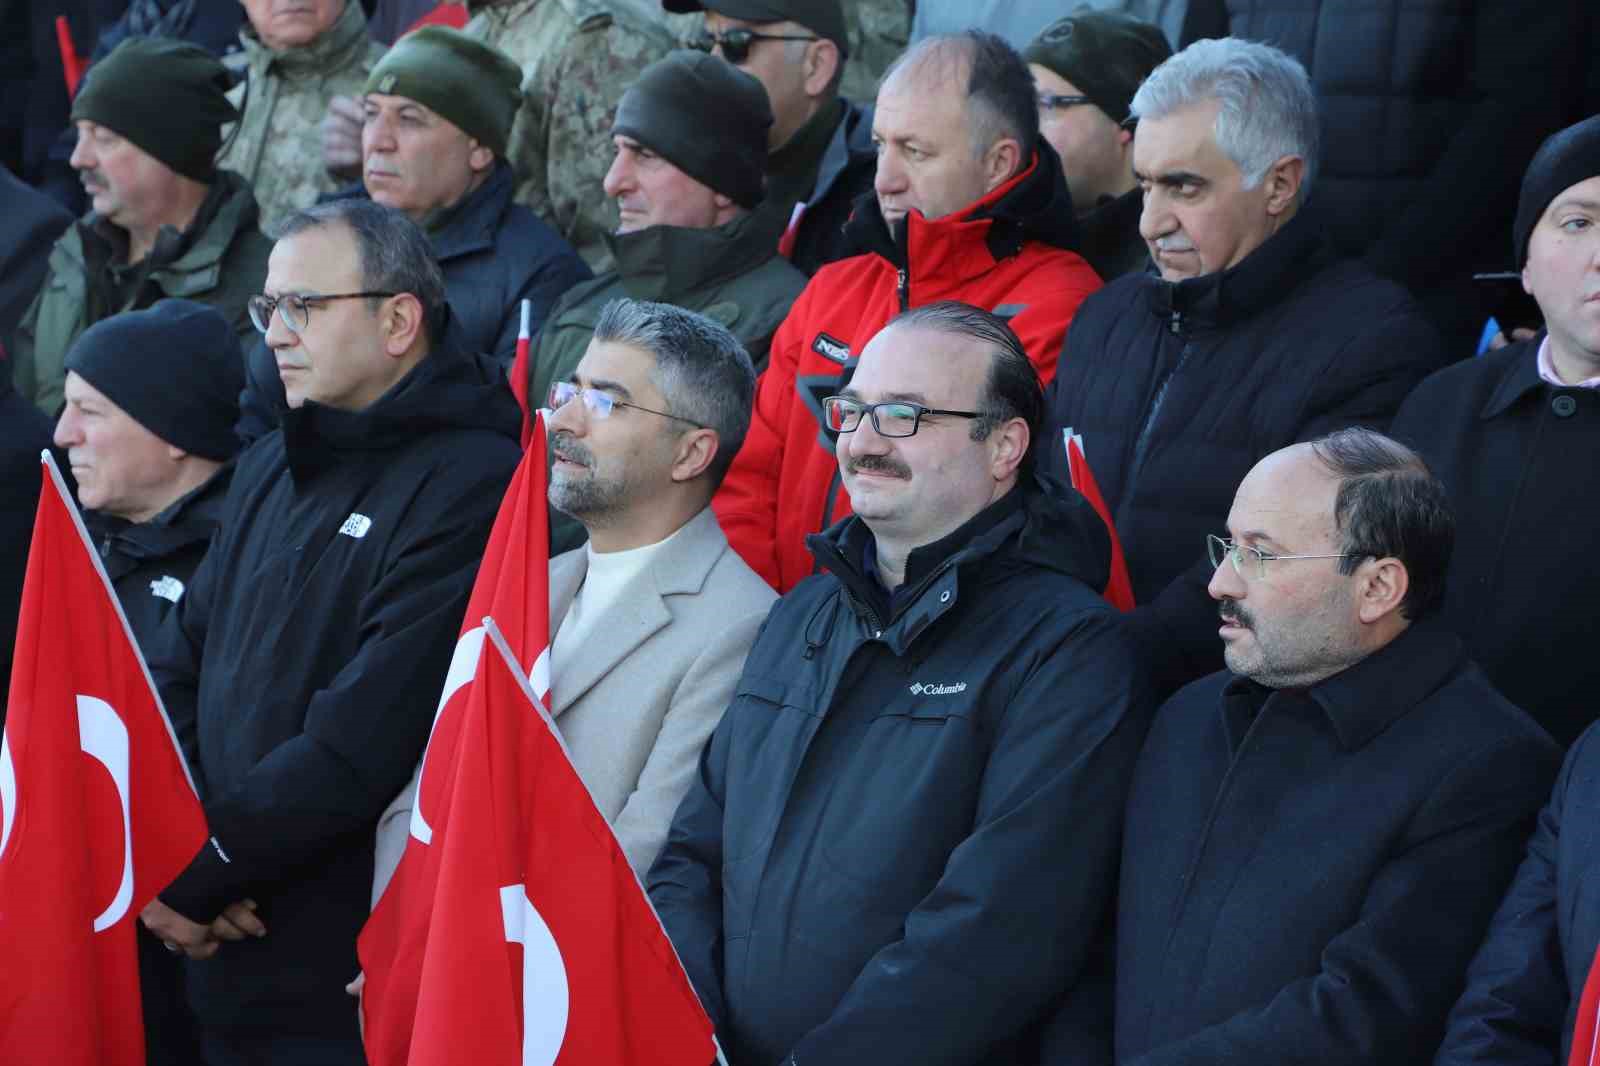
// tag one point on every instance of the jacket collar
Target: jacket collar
(1262, 280)
(338, 47)
(1363, 700)
(470, 226)
(1520, 377)
(183, 262)
(1032, 206)
(851, 143)
(681, 567)
(189, 520)
(666, 263)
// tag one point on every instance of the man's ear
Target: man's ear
(696, 449)
(1001, 163)
(479, 157)
(1009, 442)
(821, 63)
(1383, 586)
(402, 324)
(1282, 184)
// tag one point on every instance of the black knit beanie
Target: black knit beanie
(167, 97)
(706, 117)
(1565, 158)
(176, 369)
(1104, 54)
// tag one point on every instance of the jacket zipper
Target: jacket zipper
(1141, 444)
(903, 288)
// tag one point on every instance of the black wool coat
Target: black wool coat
(1306, 873)
(1521, 460)
(1525, 983)
(304, 663)
(1180, 388)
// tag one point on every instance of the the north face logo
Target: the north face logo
(356, 525)
(831, 348)
(941, 689)
(168, 588)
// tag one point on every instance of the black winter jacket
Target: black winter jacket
(902, 837)
(1306, 873)
(1180, 388)
(151, 563)
(1524, 985)
(30, 222)
(1520, 459)
(494, 254)
(845, 173)
(1430, 111)
(304, 664)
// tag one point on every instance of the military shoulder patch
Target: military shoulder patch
(831, 348)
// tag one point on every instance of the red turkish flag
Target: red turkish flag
(1119, 590)
(97, 809)
(545, 951)
(1585, 1048)
(513, 585)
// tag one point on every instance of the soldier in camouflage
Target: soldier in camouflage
(577, 59)
(879, 30)
(295, 62)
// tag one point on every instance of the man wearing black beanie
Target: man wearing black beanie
(151, 398)
(163, 222)
(1515, 437)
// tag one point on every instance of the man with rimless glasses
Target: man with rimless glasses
(902, 839)
(302, 663)
(1317, 836)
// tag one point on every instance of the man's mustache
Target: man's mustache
(1235, 615)
(563, 446)
(880, 464)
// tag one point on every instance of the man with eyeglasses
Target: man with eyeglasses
(819, 150)
(1317, 836)
(901, 843)
(653, 616)
(693, 232)
(1087, 67)
(303, 662)
(968, 204)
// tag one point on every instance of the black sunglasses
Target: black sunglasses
(736, 43)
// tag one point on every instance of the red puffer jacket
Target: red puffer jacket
(1007, 253)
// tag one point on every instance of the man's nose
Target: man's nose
(1225, 583)
(1155, 218)
(617, 177)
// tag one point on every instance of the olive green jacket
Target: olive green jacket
(223, 265)
(731, 273)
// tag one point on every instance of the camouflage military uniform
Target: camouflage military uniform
(278, 146)
(879, 30)
(577, 59)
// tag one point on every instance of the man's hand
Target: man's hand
(237, 921)
(1519, 334)
(341, 136)
(355, 988)
(177, 932)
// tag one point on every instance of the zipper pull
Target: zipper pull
(1176, 325)
(903, 287)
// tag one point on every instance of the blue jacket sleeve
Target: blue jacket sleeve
(1516, 1010)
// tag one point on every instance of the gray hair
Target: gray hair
(702, 369)
(1268, 107)
(394, 253)
(1002, 100)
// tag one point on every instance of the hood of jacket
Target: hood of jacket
(448, 390)
(1046, 526)
(1262, 279)
(665, 263)
(338, 47)
(1032, 206)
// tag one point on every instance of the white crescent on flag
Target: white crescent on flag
(545, 995)
(8, 793)
(463, 668)
(104, 738)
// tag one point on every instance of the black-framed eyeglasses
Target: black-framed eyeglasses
(295, 308)
(600, 404)
(736, 43)
(1057, 102)
(893, 418)
(1220, 548)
